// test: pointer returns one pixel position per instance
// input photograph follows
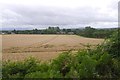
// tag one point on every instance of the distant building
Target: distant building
(70, 33)
(60, 32)
(12, 33)
(2, 33)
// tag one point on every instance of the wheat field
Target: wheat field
(44, 47)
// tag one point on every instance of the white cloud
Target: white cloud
(59, 12)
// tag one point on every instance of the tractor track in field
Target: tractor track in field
(43, 47)
(47, 41)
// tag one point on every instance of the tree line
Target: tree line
(86, 32)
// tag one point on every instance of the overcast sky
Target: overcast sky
(29, 14)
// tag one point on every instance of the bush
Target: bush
(18, 69)
(112, 44)
(80, 66)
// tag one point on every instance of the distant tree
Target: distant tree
(57, 29)
(35, 31)
(63, 30)
(89, 31)
(69, 30)
(14, 31)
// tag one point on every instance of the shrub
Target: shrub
(112, 44)
(18, 69)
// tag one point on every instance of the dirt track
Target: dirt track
(44, 47)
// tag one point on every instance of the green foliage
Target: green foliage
(80, 65)
(112, 45)
(63, 63)
(96, 33)
(18, 69)
(86, 68)
(47, 74)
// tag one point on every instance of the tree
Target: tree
(89, 31)
(14, 31)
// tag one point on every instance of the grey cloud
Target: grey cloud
(41, 15)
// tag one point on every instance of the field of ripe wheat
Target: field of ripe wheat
(43, 47)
